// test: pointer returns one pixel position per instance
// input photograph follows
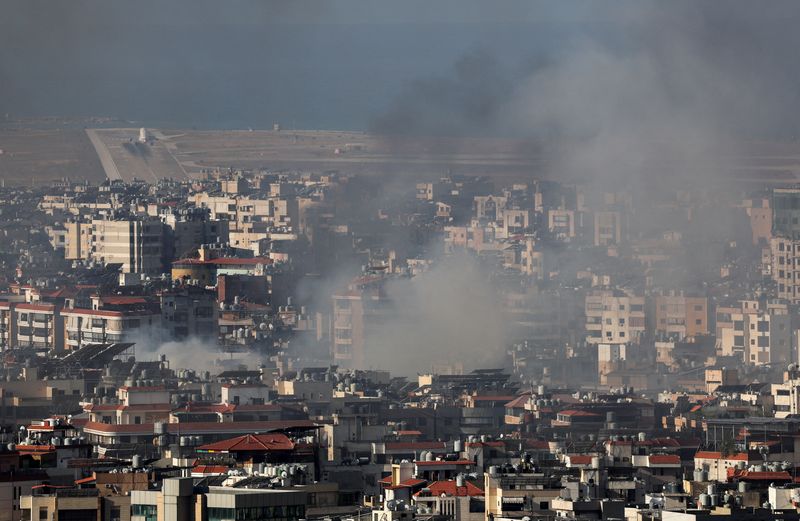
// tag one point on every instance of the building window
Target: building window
(148, 512)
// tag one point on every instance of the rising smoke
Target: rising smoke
(197, 353)
(445, 316)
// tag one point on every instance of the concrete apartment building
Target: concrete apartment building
(178, 501)
(189, 311)
(7, 325)
(354, 312)
(100, 326)
(78, 241)
(39, 326)
(136, 243)
(607, 228)
(785, 268)
(191, 228)
(614, 317)
(679, 316)
(759, 336)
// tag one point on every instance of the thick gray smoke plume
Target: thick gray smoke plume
(448, 315)
(199, 354)
(668, 94)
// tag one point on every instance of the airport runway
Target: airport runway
(110, 168)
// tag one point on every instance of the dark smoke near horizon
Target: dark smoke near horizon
(520, 69)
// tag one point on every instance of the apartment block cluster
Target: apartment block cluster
(204, 350)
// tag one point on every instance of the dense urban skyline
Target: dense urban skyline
(399, 261)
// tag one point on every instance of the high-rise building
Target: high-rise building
(785, 268)
(135, 243)
(355, 314)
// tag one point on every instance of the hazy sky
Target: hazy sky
(344, 64)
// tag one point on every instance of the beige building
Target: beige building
(614, 317)
(785, 268)
(786, 395)
(679, 316)
(136, 244)
(96, 326)
(39, 326)
(78, 242)
(721, 376)
(758, 336)
(178, 501)
(52, 504)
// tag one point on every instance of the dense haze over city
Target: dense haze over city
(371, 260)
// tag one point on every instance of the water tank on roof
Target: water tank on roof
(429, 456)
(457, 446)
(704, 501)
(460, 480)
(136, 461)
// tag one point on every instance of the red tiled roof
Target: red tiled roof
(580, 459)
(449, 488)
(251, 443)
(35, 448)
(702, 454)
(35, 307)
(664, 459)
(577, 412)
(409, 433)
(120, 300)
(537, 444)
(518, 402)
(410, 482)
(208, 470)
(749, 475)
